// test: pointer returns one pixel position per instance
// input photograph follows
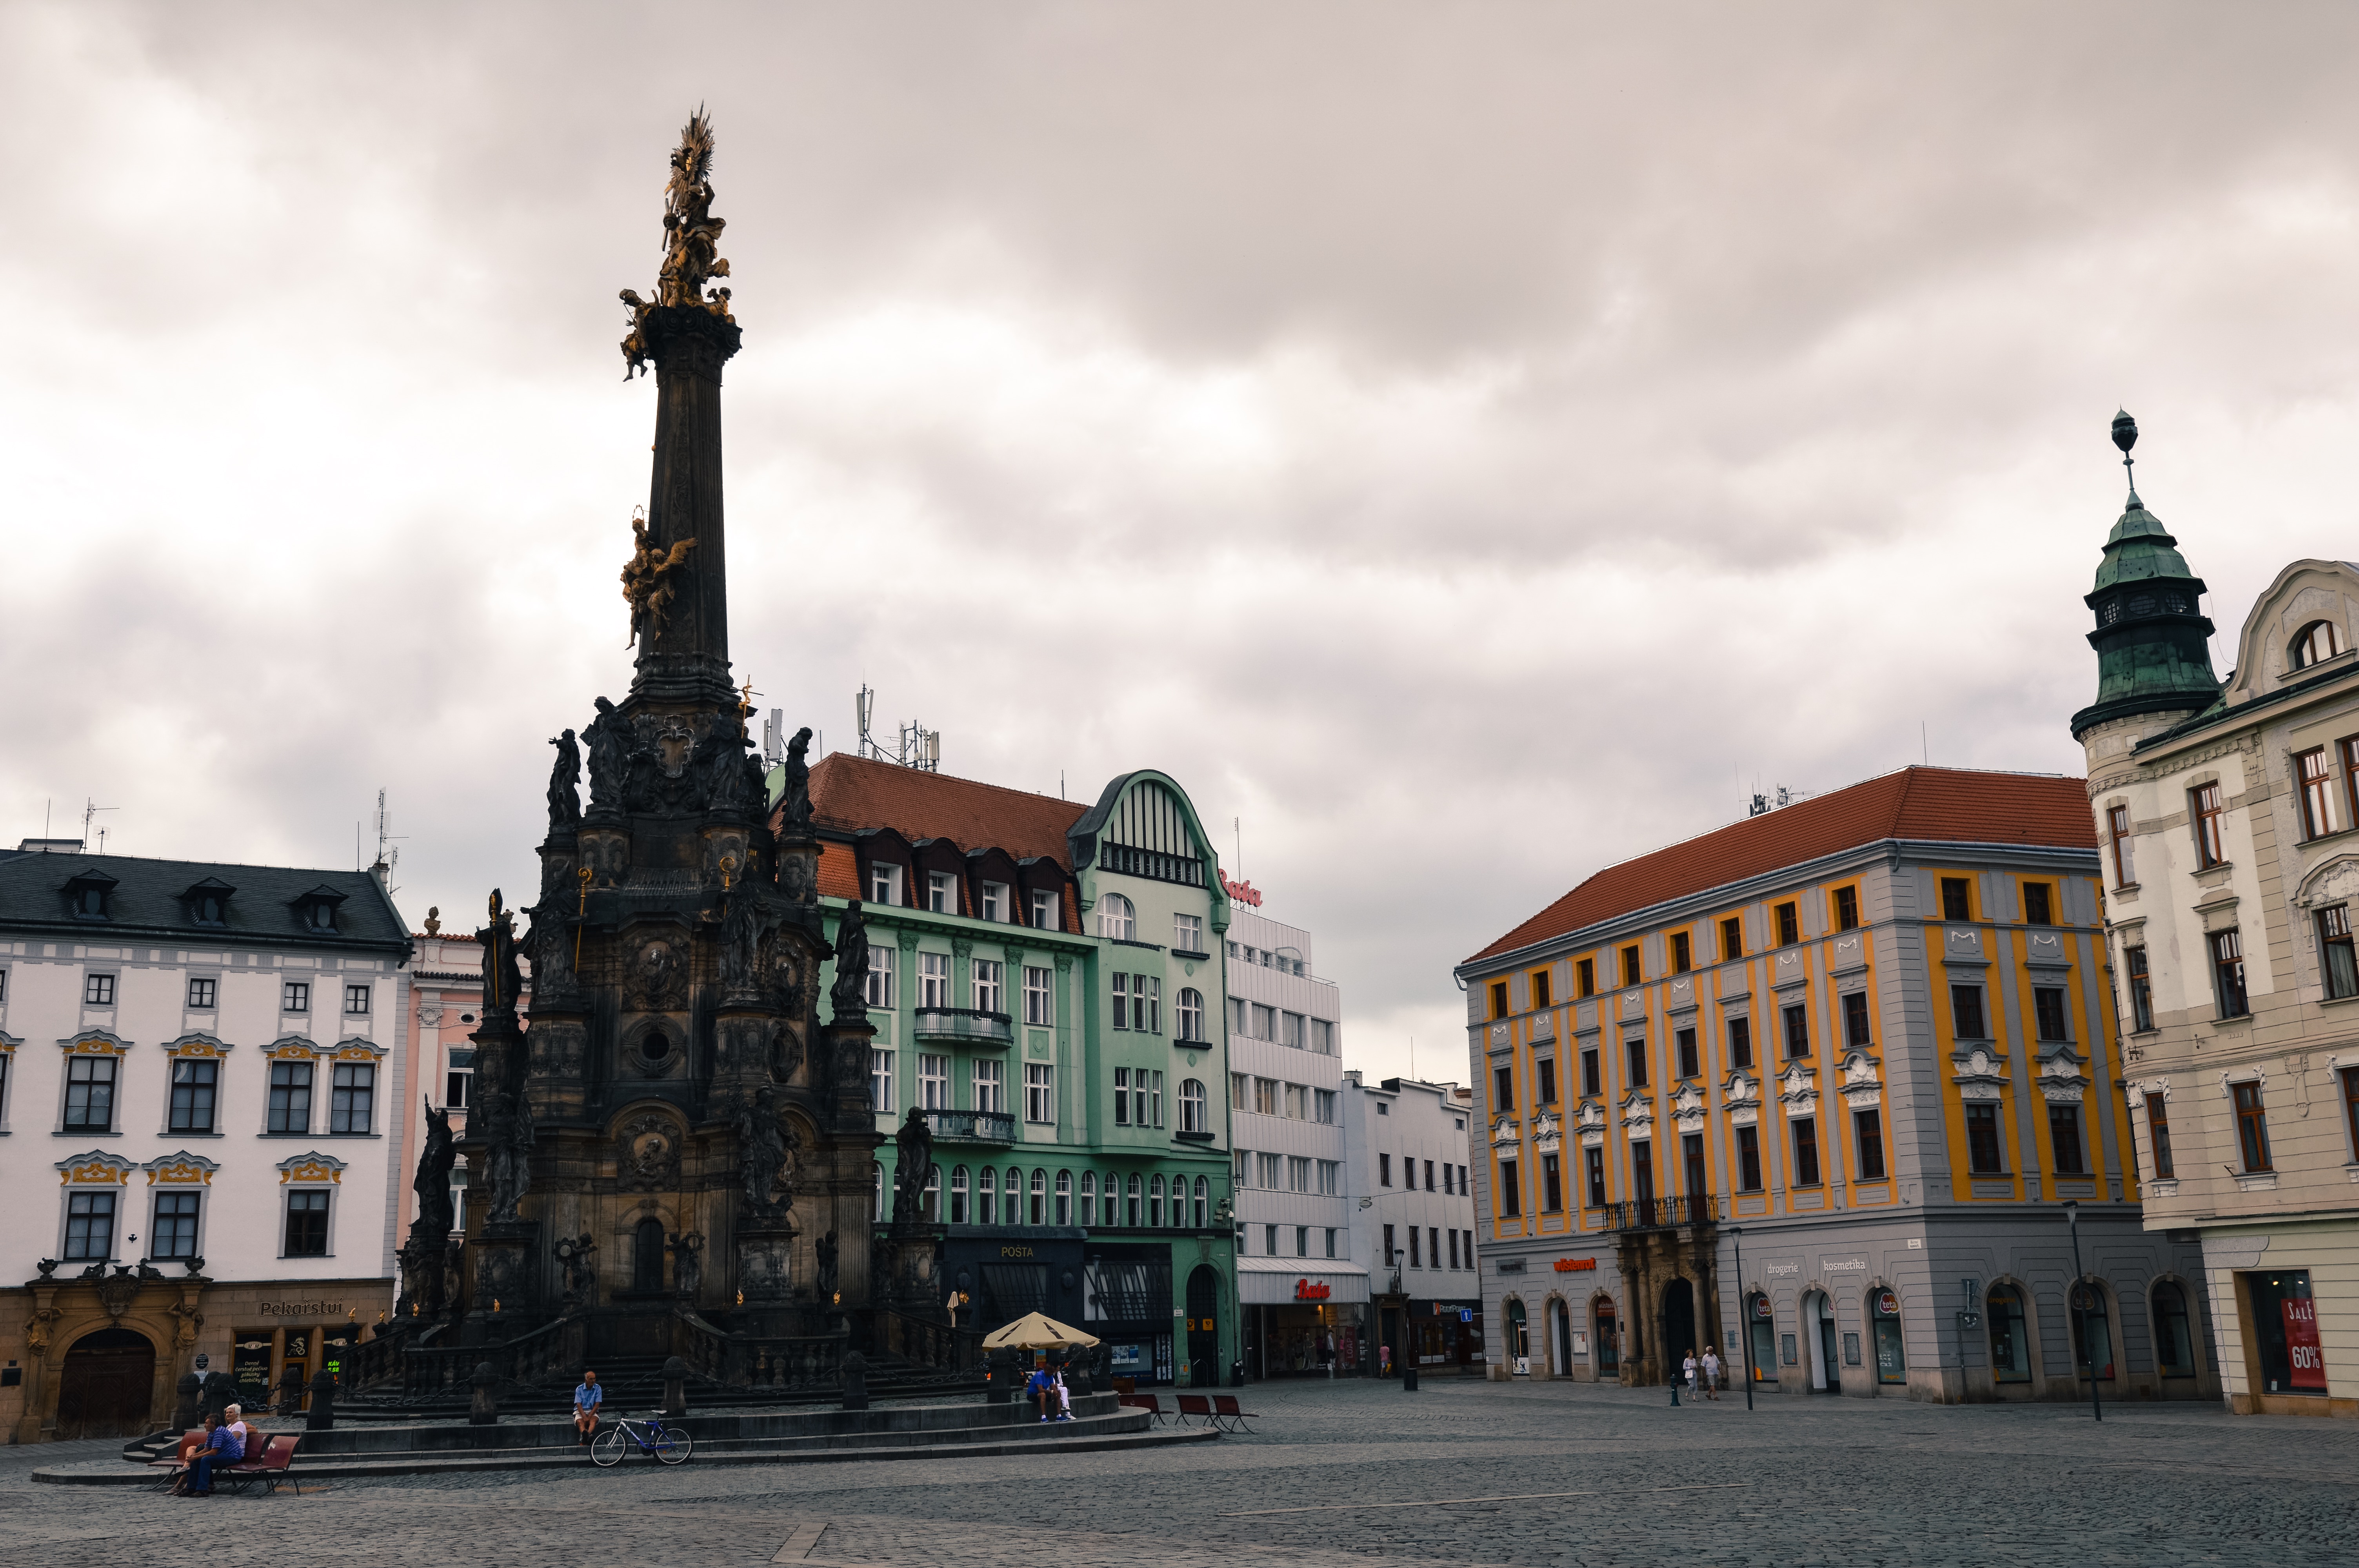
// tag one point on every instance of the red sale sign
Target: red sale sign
(2302, 1343)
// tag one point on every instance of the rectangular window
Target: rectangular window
(1415, 1260)
(884, 884)
(1502, 1088)
(90, 1227)
(1331, 1241)
(880, 1080)
(1984, 1157)
(194, 1085)
(941, 893)
(1428, 1175)
(1448, 1177)
(2341, 972)
(1272, 1171)
(1539, 988)
(1586, 972)
(1732, 938)
(1806, 1151)
(1498, 998)
(356, 1000)
(2350, 1078)
(1298, 1173)
(1789, 924)
(1040, 1094)
(2038, 904)
(1847, 908)
(2064, 1139)
(1867, 1135)
(1264, 1095)
(1268, 1240)
(1511, 1198)
(1238, 1086)
(457, 1081)
(1684, 1041)
(1384, 1170)
(2048, 1011)
(1323, 1036)
(295, 996)
(1291, 1031)
(2117, 833)
(1589, 1071)
(202, 992)
(1039, 996)
(1122, 1097)
(1692, 1166)
(1044, 911)
(1453, 1249)
(1188, 932)
(1683, 959)
(1330, 1179)
(1966, 1012)
(2141, 990)
(1391, 1251)
(879, 988)
(1324, 1107)
(174, 1232)
(1265, 1022)
(1630, 966)
(351, 1098)
(933, 1082)
(1634, 1054)
(1151, 1113)
(89, 1093)
(1122, 1002)
(1797, 1030)
(933, 981)
(995, 903)
(2348, 752)
(1642, 1171)
(2317, 792)
(1595, 1160)
(1857, 1034)
(1748, 1158)
(2228, 974)
(1434, 1244)
(98, 991)
(2157, 1126)
(307, 1225)
(1547, 1069)
(2252, 1128)
(1957, 898)
(991, 1086)
(1740, 1042)
(990, 977)
(2203, 812)
(1297, 1096)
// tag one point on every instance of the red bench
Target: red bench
(269, 1468)
(1194, 1404)
(1228, 1417)
(1146, 1402)
(191, 1441)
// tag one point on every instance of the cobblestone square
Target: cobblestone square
(1460, 1472)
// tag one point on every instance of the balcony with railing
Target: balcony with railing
(1665, 1214)
(965, 1026)
(996, 1127)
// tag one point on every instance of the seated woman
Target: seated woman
(221, 1447)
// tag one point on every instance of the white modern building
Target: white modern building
(199, 1084)
(1301, 1287)
(1413, 1220)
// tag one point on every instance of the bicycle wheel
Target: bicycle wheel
(607, 1448)
(673, 1445)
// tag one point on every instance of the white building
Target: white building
(446, 997)
(1414, 1220)
(198, 1126)
(1301, 1288)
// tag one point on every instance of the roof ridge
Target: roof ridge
(897, 769)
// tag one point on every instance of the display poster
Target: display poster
(2307, 1368)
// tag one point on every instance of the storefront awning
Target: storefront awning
(1312, 1282)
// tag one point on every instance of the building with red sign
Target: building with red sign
(1414, 1221)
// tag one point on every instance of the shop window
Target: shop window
(1891, 1356)
(1984, 1155)
(2010, 1335)
(2157, 1127)
(2174, 1335)
(2283, 1328)
(2252, 1127)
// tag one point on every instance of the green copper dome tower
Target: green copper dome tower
(2152, 638)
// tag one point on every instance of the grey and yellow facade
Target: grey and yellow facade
(1868, 1040)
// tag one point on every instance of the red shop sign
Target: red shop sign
(1304, 1291)
(1244, 892)
(2309, 1367)
(1887, 1304)
(1574, 1265)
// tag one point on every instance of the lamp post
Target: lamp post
(2088, 1351)
(1226, 1213)
(1744, 1313)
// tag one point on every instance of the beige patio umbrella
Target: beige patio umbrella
(1033, 1331)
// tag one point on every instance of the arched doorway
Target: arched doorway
(648, 1256)
(1205, 1327)
(1604, 1337)
(107, 1384)
(1560, 1325)
(1519, 1349)
(1819, 1340)
(1761, 1337)
(1679, 1327)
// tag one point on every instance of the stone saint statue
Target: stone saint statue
(740, 938)
(579, 1256)
(503, 981)
(565, 785)
(825, 1250)
(509, 1132)
(913, 1148)
(432, 1182)
(688, 1264)
(610, 744)
(762, 1153)
(723, 756)
(850, 993)
(794, 796)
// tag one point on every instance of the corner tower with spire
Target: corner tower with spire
(2154, 658)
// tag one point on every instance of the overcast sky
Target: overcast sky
(1467, 444)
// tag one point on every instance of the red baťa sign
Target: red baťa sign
(1244, 892)
(1304, 1291)
(2309, 1367)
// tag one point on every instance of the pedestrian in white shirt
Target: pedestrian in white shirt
(1710, 1372)
(1688, 1366)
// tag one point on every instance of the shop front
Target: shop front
(1445, 1335)
(1126, 1302)
(1300, 1324)
(1006, 1272)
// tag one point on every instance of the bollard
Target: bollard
(185, 1412)
(855, 1380)
(486, 1410)
(675, 1403)
(1236, 1374)
(290, 1392)
(1409, 1377)
(998, 1382)
(322, 1414)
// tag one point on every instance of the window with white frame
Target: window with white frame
(880, 1080)
(1045, 916)
(89, 1227)
(1194, 1108)
(1040, 1094)
(295, 996)
(1292, 1032)
(1039, 996)
(1192, 1015)
(1122, 1097)
(930, 1204)
(351, 1098)
(1323, 1036)
(933, 1082)
(290, 1096)
(1120, 1010)
(882, 970)
(89, 1093)
(991, 1087)
(172, 1232)
(1155, 1201)
(958, 1196)
(1188, 932)
(994, 902)
(883, 884)
(1065, 1197)
(1323, 1107)
(1154, 1101)
(990, 977)
(1203, 1203)
(986, 1197)
(933, 979)
(356, 1001)
(1131, 1195)
(941, 893)
(1038, 1212)
(1270, 1172)
(1331, 1177)
(1298, 1173)
(1146, 1003)
(1116, 920)
(1013, 1194)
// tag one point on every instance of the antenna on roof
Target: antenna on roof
(90, 809)
(388, 855)
(774, 749)
(914, 745)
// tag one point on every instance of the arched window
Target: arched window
(1192, 1107)
(1015, 1209)
(1203, 1201)
(1039, 1197)
(2174, 1338)
(986, 1198)
(1192, 1013)
(648, 1256)
(1136, 1188)
(1089, 1197)
(1065, 1197)
(2093, 1331)
(2010, 1338)
(958, 1196)
(2314, 644)
(933, 1204)
(1519, 1344)
(1116, 919)
(1155, 1203)
(1178, 1201)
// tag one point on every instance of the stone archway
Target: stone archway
(107, 1385)
(1680, 1339)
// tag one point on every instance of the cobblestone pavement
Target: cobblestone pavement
(1347, 1473)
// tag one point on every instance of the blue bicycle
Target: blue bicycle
(667, 1445)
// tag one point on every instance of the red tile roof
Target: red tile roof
(853, 792)
(1947, 804)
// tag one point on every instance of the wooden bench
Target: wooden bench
(1146, 1402)
(271, 1468)
(1228, 1417)
(1194, 1404)
(191, 1441)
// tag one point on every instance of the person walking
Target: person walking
(1689, 1368)
(587, 1397)
(1710, 1372)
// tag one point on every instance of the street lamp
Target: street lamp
(2079, 1287)
(1225, 1211)
(1744, 1313)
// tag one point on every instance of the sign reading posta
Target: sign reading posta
(1244, 892)
(1304, 1291)
(1574, 1265)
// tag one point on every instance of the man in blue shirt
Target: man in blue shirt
(221, 1447)
(586, 1397)
(1042, 1391)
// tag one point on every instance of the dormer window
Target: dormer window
(89, 896)
(2314, 644)
(207, 903)
(317, 910)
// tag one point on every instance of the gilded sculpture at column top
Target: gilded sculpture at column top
(646, 584)
(691, 243)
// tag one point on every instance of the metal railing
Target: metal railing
(973, 1126)
(967, 1025)
(1665, 1214)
